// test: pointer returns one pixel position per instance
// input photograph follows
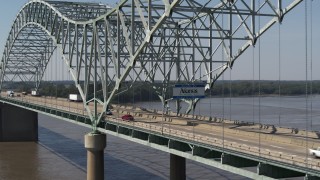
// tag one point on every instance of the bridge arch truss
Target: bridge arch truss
(107, 50)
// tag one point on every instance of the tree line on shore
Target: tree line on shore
(141, 92)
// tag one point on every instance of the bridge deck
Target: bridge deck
(282, 145)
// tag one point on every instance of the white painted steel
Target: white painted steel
(111, 49)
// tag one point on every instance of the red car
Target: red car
(127, 117)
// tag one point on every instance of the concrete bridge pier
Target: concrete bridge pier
(177, 167)
(17, 124)
(95, 144)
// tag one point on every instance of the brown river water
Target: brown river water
(60, 155)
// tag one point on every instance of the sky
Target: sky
(292, 45)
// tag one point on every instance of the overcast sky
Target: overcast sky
(292, 34)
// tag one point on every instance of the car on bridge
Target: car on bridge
(127, 117)
(315, 152)
(108, 112)
(10, 93)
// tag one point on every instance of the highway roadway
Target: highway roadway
(285, 147)
(219, 131)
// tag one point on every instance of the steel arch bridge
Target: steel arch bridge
(110, 49)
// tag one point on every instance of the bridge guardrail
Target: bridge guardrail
(277, 156)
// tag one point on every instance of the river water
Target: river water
(60, 152)
(286, 111)
(60, 155)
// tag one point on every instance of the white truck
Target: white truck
(35, 93)
(315, 152)
(10, 93)
(75, 97)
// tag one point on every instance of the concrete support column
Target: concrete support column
(17, 124)
(177, 167)
(95, 144)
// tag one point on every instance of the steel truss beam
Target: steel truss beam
(170, 41)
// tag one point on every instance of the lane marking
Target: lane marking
(213, 133)
(243, 140)
(277, 146)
